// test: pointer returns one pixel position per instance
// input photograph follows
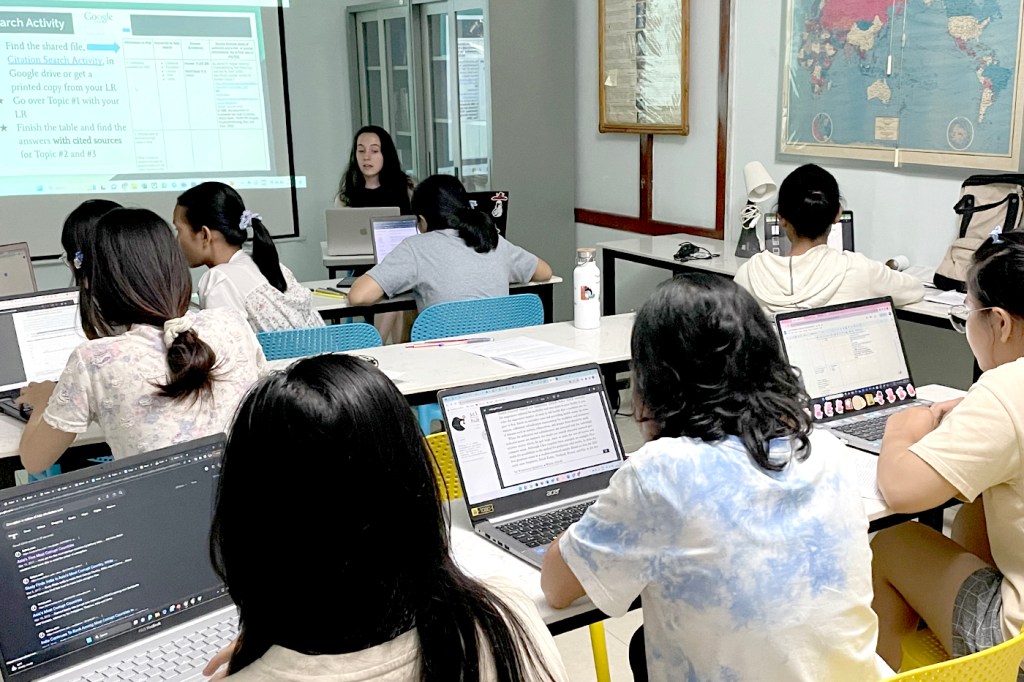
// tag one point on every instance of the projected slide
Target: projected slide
(130, 98)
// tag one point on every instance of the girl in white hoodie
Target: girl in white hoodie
(814, 275)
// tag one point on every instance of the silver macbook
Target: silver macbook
(105, 572)
(348, 230)
(854, 367)
(533, 452)
(37, 334)
(16, 273)
(389, 232)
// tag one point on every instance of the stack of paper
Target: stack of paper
(527, 353)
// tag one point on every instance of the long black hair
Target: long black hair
(133, 272)
(369, 472)
(707, 364)
(78, 228)
(219, 207)
(809, 200)
(996, 277)
(392, 178)
(443, 203)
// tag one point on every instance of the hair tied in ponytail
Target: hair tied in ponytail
(245, 224)
(176, 326)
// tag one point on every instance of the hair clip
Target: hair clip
(247, 217)
(994, 235)
(79, 259)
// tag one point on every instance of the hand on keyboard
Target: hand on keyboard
(217, 669)
(34, 395)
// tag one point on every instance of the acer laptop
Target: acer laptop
(840, 236)
(37, 334)
(348, 230)
(495, 204)
(389, 232)
(16, 273)
(105, 572)
(854, 367)
(533, 452)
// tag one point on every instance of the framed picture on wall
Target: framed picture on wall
(643, 48)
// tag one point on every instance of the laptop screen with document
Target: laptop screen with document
(99, 558)
(531, 433)
(37, 334)
(390, 232)
(851, 356)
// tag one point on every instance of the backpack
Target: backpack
(986, 202)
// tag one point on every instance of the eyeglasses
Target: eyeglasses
(958, 315)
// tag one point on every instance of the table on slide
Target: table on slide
(658, 252)
(334, 307)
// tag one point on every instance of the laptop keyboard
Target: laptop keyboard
(11, 409)
(867, 429)
(536, 531)
(179, 659)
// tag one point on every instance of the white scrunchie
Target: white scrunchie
(175, 326)
(246, 222)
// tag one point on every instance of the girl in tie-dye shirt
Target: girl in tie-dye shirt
(740, 528)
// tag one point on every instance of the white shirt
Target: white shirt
(112, 381)
(744, 574)
(399, 659)
(823, 276)
(239, 284)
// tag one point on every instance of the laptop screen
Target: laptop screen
(389, 233)
(840, 235)
(98, 558)
(495, 204)
(16, 273)
(532, 432)
(851, 356)
(37, 334)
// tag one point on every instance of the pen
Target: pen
(450, 342)
(325, 292)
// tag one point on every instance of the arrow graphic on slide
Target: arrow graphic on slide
(113, 47)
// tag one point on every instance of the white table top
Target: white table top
(663, 249)
(422, 370)
(342, 261)
(322, 303)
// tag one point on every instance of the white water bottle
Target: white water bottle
(586, 285)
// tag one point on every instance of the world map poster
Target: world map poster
(904, 81)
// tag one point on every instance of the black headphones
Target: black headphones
(690, 251)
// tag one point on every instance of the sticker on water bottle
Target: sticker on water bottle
(586, 293)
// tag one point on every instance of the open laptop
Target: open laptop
(16, 273)
(533, 452)
(840, 237)
(105, 572)
(348, 230)
(37, 334)
(389, 232)
(495, 204)
(854, 367)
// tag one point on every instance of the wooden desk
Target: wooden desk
(331, 307)
(658, 252)
(421, 372)
(335, 264)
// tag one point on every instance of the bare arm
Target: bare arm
(41, 444)
(907, 482)
(559, 583)
(365, 291)
(542, 273)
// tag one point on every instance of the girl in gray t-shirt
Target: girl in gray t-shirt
(458, 255)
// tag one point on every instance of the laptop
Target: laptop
(840, 237)
(37, 334)
(16, 273)
(389, 232)
(494, 203)
(348, 230)
(854, 367)
(533, 452)
(105, 572)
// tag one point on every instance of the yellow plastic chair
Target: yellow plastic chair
(448, 483)
(997, 664)
(921, 648)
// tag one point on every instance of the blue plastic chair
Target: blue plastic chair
(297, 343)
(446, 320)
